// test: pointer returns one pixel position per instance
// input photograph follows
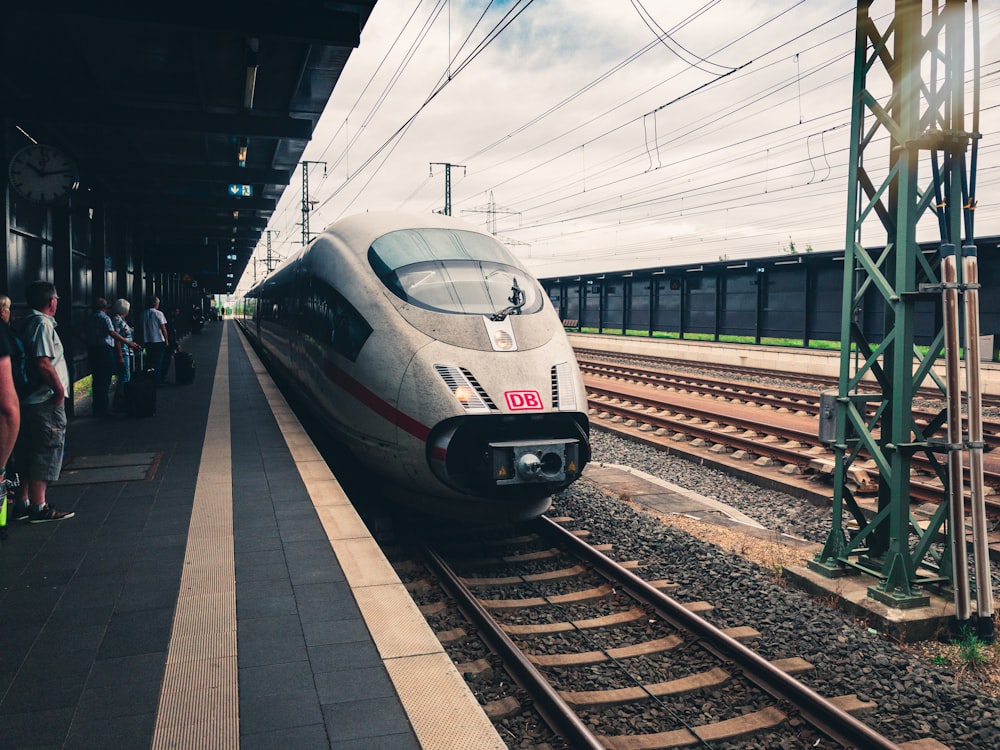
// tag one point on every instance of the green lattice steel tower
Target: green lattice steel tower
(910, 139)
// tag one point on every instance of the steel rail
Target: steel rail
(774, 395)
(819, 712)
(559, 716)
(818, 381)
(919, 490)
(804, 401)
(769, 450)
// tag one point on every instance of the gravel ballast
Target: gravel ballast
(915, 697)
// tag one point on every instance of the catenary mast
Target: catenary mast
(917, 64)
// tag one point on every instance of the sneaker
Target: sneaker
(48, 513)
(19, 511)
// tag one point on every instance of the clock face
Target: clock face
(43, 174)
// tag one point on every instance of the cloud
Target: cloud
(600, 146)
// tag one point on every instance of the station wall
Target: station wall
(87, 251)
(787, 300)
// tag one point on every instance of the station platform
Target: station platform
(215, 589)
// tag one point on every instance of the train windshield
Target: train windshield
(452, 271)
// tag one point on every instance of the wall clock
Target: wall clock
(43, 174)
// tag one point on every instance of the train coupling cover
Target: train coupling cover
(532, 461)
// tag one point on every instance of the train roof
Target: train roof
(361, 230)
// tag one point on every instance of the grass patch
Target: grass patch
(82, 389)
(967, 657)
(698, 337)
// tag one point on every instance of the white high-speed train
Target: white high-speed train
(435, 357)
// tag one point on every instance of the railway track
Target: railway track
(763, 423)
(741, 373)
(778, 397)
(611, 661)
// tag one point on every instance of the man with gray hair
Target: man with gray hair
(45, 406)
(154, 332)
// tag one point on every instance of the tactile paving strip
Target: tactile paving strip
(199, 699)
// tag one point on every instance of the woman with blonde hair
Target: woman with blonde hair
(123, 354)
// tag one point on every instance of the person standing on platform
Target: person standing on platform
(45, 406)
(123, 351)
(154, 331)
(10, 410)
(103, 343)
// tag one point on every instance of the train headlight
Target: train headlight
(462, 386)
(502, 341)
(501, 334)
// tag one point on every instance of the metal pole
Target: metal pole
(447, 182)
(956, 483)
(974, 397)
(305, 203)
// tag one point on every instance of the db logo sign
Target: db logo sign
(523, 400)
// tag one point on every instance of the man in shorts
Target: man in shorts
(44, 407)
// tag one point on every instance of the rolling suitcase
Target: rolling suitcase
(184, 368)
(140, 392)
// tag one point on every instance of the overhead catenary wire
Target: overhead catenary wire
(469, 59)
(716, 118)
(542, 185)
(516, 9)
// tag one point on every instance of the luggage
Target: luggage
(140, 392)
(184, 367)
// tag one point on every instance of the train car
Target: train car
(435, 357)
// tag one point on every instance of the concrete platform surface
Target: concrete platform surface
(215, 589)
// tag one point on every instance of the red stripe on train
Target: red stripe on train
(384, 409)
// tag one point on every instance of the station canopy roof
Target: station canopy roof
(167, 105)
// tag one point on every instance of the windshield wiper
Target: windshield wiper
(517, 299)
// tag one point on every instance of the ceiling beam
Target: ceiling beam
(168, 233)
(297, 21)
(202, 223)
(196, 202)
(161, 121)
(174, 171)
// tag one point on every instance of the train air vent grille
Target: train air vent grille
(563, 390)
(465, 388)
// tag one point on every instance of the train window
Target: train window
(453, 272)
(332, 321)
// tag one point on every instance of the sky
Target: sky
(604, 135)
